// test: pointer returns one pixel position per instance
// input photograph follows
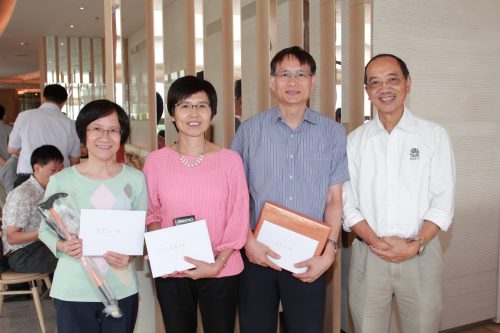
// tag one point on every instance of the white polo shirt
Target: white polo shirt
(46, 125)
(400, 179)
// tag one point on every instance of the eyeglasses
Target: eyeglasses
(99, 131)
(377, 83)
(299, 75)
(186, 107)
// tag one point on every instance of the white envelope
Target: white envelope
(290, 245)
(167, 247)
(120, 231)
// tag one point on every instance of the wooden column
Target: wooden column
(151, 76)
(189, 30)
(263, 44)
(227, 105)
(296, 22)
(327, 58)
(357, 63)
(109, 66)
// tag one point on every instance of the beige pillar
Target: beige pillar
(327, 106)
(357, 63)
(189, 30)
(42, 62)
(296, 22)
(263, 44)
(227, 105)
(151, 82)
(327, 57)
(109, 65)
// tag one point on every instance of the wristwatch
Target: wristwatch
(422, 247)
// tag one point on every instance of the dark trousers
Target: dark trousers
(86, 317)
(33, 258)
(261, 289)
(179, 297)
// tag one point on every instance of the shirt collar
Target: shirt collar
(51, 107)
(406, 123)
(309, 116)
(36, 184)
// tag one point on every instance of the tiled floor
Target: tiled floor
(20, 317)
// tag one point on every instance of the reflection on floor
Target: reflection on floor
(20, 317)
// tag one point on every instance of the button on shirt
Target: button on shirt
(294, 168)
(400, 179)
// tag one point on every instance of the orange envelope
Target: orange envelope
(294, 221)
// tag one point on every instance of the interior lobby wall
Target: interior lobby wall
(452, 49)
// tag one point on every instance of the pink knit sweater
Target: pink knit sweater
(215, 190)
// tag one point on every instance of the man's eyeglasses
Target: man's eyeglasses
(99, 131)
(185, 106)
(299, 75)
(377, 83)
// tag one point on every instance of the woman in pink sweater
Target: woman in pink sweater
(197, 177)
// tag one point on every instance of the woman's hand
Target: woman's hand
(117, 260)
(203, 269)
(72, 248)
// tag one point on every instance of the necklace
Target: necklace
(196, 162)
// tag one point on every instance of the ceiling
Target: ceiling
(32, 19)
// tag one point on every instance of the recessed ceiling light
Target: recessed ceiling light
(62, 43)
(23, 44)
(71, 26)
(82, 8)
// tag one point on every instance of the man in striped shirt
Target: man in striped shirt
(296, 157)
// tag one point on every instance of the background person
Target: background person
(25, 253)
(46, 125)
(99, 182)
(197, 177)
(5, 130)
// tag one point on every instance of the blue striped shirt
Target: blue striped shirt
(293, 168)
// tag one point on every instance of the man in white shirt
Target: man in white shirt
(46, 125)
(400, 195)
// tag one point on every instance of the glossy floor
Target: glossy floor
(20, 317)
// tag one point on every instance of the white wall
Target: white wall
(452, 49)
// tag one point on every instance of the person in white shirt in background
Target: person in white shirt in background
(401, 194)
(46, 125)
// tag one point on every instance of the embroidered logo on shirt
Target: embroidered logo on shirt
(414, 154)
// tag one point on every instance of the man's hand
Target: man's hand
(257, 253)
(72, 248)
(400, 249)
(316, 266)
(117, 260)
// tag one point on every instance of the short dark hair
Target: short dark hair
(99, 109)
(237, 89)
(45, 154)
(297, 52)
(55, 93)
(186, 86)
(159, 107)
(2, 111)
(401, 63)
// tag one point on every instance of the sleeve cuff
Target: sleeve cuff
(439, 218)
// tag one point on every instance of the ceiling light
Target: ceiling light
(23, 44)
(62, 44)
(82, 8)
(71, 26)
